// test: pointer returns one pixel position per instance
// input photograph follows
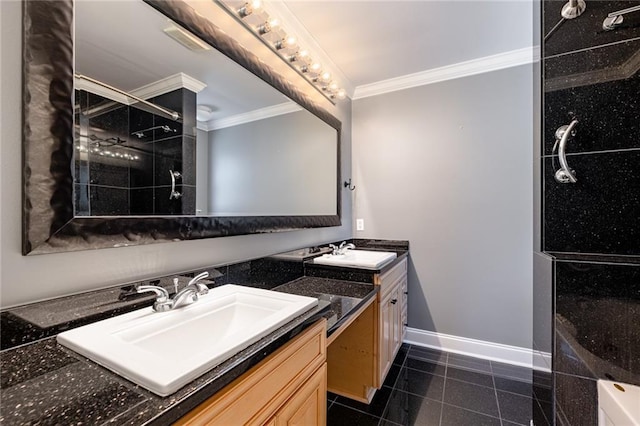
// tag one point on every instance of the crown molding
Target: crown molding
(160, 87)
(295, 27)
(247, 117)
(169, 84)
(462, 69)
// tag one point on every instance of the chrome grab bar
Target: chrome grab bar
(565, 174)
(174, 194)
(615, 19)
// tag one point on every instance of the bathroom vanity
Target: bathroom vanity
(284, 376)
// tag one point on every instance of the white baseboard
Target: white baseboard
(514, 355)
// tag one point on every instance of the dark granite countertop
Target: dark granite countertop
(46, 383)
(344, 297)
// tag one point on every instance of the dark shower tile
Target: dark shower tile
(339, 415)
(472, 397)
(141, 168)
(189, 104)
(421, 384)
(167, 157)
(188, 199)
(591, 66)
(140, 123)
(515, 408)
(586, 30)
(586, 345)
(406, 409)
(188, 160)
(578, 399)
(599, 213)
(108, 201)
(141, 201)
(108, 171)
(606, 112)
(455, 416)
(164, 204)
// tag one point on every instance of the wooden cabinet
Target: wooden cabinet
(392, 318)
(308, 406)
(360, 357)
(287, 388)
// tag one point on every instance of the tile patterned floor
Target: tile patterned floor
(426, 387)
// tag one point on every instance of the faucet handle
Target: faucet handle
(202, 288)
(162, 302)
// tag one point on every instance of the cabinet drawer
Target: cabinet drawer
(392, 276)
(256, 395)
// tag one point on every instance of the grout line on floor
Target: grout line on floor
(472, 411)
(495, 392)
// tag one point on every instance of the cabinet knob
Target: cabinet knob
(394, 301)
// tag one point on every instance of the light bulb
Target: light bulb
(274, 23)
(333, 86)
(291, 40)
(326, 76)
(264, 28)
(342, 94)
(315, 66)
(256, 4)
(245, 10)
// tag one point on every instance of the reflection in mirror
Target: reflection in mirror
(256, 153)
(112, 171)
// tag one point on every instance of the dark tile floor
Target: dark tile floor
(426, 387)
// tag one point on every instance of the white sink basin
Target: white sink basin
(357, 259)
(163, 351)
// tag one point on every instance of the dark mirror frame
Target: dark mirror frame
(49, 224)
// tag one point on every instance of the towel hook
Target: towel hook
(347, 184)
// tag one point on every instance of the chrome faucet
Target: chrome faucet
(342, 249)
(186, 296)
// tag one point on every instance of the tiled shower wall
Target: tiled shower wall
(592, 227)
(123, 168)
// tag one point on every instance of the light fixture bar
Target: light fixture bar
(299, 60)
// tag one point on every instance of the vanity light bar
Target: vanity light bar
(286, 47)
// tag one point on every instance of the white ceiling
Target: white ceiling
(372, 41)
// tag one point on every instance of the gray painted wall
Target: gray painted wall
(448, 166)
(32, 278)
(282, 165)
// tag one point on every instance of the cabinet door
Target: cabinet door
(308, 406)
(386, 335)
(396, 314)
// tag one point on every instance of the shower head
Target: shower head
(573, 9)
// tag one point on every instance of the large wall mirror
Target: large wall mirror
(155, 126)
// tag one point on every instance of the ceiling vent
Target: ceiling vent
(186, 39)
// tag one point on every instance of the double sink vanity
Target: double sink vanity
(263, 346)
